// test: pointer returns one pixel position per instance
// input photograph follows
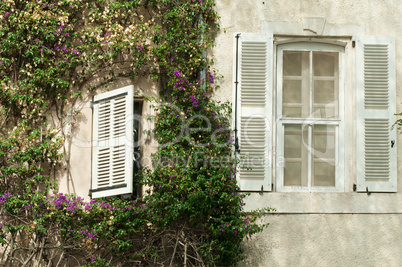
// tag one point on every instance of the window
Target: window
(301, 106)
(115, 148)
(310, 117)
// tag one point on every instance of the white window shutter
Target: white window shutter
(375, 109)
(255, 111)
(113, 147)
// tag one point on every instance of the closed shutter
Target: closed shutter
(375, 109)
(255, 112)
(112, 168)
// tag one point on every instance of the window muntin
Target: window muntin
(309, 117)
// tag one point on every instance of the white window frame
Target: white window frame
(322, 46)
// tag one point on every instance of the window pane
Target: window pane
(292, 63)
(324, 92)
(295, 153)
(323, 151)
(325, 99)
(293, 174)
(324, 174)
(325, 64)
(292, 91)
(292, 98)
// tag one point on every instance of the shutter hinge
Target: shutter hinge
(392, 143)
(353, 43)
(262, 190)
(367, 191)
(272, 187)
(237, 147)
(354, 187)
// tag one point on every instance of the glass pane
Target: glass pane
(324, 141)
(292, 63)
(324, 92)
(325, 99)
(323, 155)
(295, 153)
(324, 174)
(292, 98)
(292, 142)
(292, 174)
(325, 64)
(292, 91)
(292, 112)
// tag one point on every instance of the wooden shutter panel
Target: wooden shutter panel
(255, 111)
(375, 109)
(112, 168)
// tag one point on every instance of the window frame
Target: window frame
(310, 46)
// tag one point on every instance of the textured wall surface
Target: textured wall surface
(327, 240)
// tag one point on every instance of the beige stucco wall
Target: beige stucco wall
(327, 240)
(320, 229)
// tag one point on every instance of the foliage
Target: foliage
(53, 52)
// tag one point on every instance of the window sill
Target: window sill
(302, 202)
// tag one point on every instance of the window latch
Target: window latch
(392, 143)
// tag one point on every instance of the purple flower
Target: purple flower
(70, 5)
(67, 34)
(210, 76)
(176, 73)
(140, 47)
(1, 62)
(7, 14)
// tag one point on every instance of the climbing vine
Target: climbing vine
(53, 52)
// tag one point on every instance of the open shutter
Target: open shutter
(112, 168)
(255, 111)
(375, 109)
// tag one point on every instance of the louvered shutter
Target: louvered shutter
(255, 112)
(375, 109)
(112, 169)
